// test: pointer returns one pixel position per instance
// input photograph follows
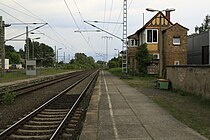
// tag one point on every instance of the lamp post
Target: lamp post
(32, 57)
(160, 37)
(2, 44)
(57, 53)
(118, 54)
(33, 42)
(107, 38)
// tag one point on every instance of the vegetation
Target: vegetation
(116, 71)
(8, 98)
(205, 26)
(114, 62)
(192, 110)
(13, 56)
(43, 53)
(143, 58)
(81, 61)
(20, 74)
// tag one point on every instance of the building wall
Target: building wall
(152, 48)
(173, 52)
(195, 43)
(132, 67)
(193, 79)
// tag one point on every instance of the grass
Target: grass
(192, 110)
(8, 98)
(20, 75)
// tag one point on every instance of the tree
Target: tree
(143, 58)
(205, 26)
(114, 63)
(83, 61)
(12, 55)
(43, 53)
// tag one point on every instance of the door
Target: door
(205, 55)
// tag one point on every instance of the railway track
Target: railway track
(58, 118)
(42, 84)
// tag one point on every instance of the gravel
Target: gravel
(28, 102)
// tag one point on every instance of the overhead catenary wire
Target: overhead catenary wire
(77, 25)
(18, 10)
(110, 14)
(82, 19)
(50, 26)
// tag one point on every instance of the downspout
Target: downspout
(209, 47)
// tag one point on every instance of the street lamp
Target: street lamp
(118, 55)
(2, 44)
(155, 10)
(37, 33)
(168, 10)
(57, 53)
(33, 45)
(117, 52)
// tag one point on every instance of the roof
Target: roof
(133, 36)
(176, 25)
(146, 25)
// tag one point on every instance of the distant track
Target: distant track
(42, 84)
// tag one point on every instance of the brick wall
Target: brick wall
(193, 79)
(175, 52)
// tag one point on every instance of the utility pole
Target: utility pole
(2, 46)
(64, 57)
(124, 46)
(107, 38)
(55, 58)
(27, 44)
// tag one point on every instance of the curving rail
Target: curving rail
(49, 120)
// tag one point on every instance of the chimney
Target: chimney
(168, 15)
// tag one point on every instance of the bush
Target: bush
(8, 98)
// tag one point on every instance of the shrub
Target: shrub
(8, 98)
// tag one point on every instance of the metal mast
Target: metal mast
(124, 47)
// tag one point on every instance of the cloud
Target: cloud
(188, 13)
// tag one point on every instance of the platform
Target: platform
(118, 111)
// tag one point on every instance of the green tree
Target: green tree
(22, 53)
(114, 63)
(43, 53)
(83, 61)
(205, 26)
(12, 55)
(143, 58)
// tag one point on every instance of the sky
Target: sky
(66, 17)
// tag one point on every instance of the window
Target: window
(136, 42)
(132, 42)
(176, 62)
(149, 35)
(152, 36)
(176, 41)
(155, 35)
(155, 56)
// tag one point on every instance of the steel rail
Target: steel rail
(42, 84)
(60, 127)
(16, 125)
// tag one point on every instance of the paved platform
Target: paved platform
(118, 111)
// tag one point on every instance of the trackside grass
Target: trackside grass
(20, 74)
(192, 110)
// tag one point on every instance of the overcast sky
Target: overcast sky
(62, 26)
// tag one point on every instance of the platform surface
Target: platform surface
(120, 112)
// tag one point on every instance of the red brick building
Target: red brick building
(167, 42)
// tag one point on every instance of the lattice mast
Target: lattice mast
(124, 47)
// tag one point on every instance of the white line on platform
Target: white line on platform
(111, 110)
